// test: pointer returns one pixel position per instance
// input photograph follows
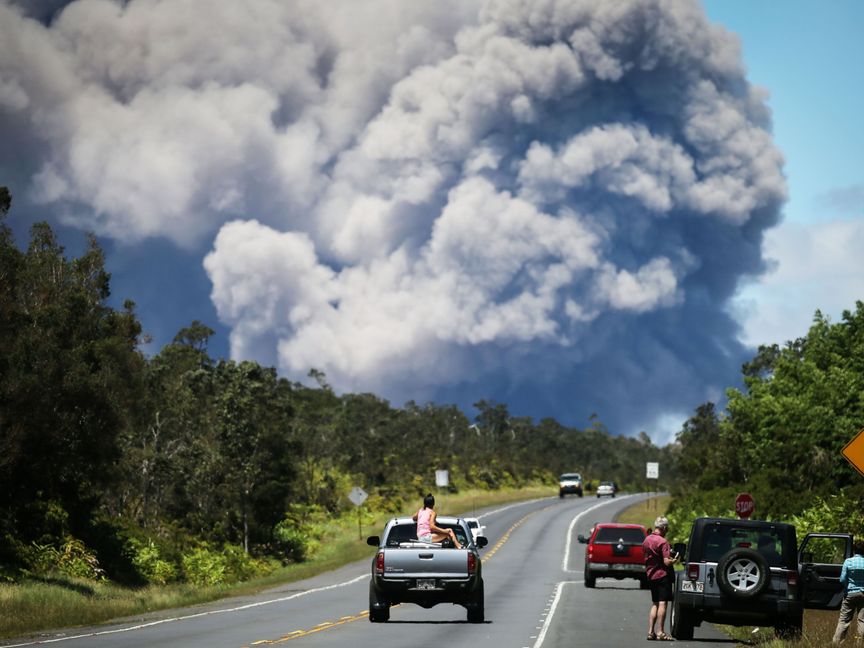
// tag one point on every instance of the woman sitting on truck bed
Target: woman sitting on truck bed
(427, 530)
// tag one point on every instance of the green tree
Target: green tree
(69, 374)
(792, 423)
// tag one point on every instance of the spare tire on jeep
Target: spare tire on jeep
(742, 573)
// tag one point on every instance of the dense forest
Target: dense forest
(139, 468)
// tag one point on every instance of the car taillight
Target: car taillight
(379, 563)
(792, 579)
(472, 563)
(693, 571)
(590, 550)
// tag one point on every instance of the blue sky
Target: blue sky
(568, 207)
(809, 56)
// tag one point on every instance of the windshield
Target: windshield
(613, 536)
(720, 539)
(570, 477)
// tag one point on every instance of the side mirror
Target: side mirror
(581, 538)
(680, 548)
(481, 541)
(373, 541)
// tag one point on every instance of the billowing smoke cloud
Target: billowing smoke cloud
(548, 203)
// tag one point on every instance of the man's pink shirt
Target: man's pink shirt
(656, 548)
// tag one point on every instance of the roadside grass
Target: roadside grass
(38, 605)
(818, 630)
(645, 512)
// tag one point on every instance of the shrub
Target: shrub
(71, 558)
(230, 564)
(292, 543)
(839, 513)
(204, 567)
(150, 564)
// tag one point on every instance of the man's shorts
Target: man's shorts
(661, 589)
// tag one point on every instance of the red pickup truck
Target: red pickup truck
(615, 551)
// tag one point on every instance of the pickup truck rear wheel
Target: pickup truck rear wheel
(590, 579)
(475, 606)
(379, 609)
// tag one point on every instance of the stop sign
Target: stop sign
(744, 505)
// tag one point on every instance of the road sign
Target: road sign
(357, 496)
(854, 451)
(442, 478)
(745, 505)
(652, 470)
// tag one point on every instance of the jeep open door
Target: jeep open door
(820, 560)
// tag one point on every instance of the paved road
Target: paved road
(535, 598)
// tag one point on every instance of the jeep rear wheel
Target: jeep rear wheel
(682, 621)
(742, 573)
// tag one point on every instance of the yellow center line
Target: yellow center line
(326, 625)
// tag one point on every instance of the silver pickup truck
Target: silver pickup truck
(405, 570)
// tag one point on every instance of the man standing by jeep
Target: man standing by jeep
(660, 575)
(852, 576)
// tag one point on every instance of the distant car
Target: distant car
(570, 483)
(615, 551)
(477, 529)
(606, 488)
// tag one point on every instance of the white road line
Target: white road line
(190, 616)
(542, 635)
(566, 560)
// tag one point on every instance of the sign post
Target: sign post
(652, 471)
(357, 497)
(854, 451)
(745, 505)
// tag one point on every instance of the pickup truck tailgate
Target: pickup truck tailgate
(426, 563)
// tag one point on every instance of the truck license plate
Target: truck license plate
(692, 586)
(426, 583)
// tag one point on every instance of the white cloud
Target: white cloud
(815, 266)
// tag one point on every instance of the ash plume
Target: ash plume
(545, 203)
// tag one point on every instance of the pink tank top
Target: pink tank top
(423, 517)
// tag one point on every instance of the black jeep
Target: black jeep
(750, 572)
